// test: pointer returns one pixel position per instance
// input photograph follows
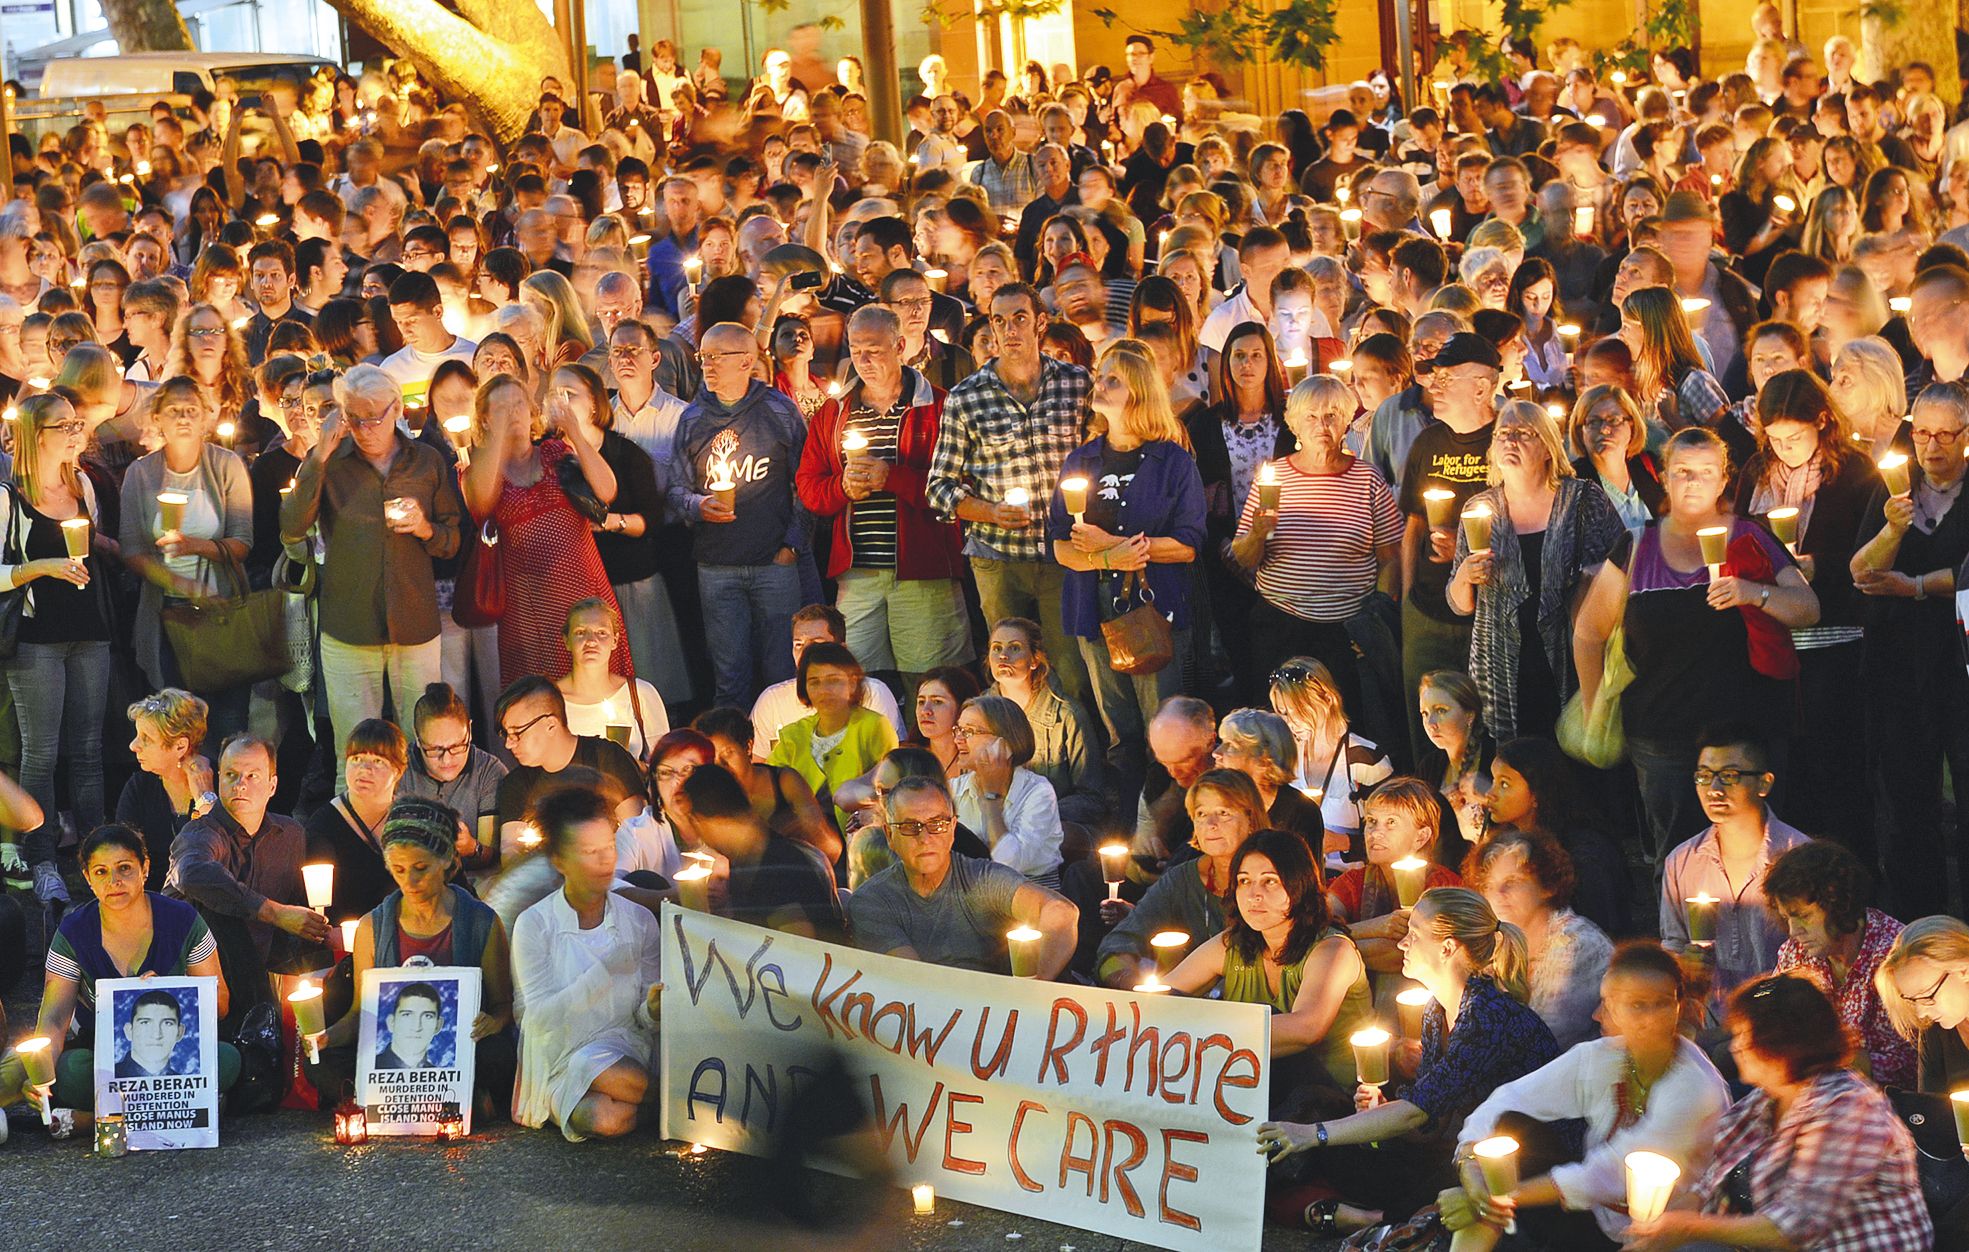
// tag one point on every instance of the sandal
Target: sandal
(1320, 1214)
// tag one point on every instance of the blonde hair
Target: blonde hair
(1303, 689)
(553, 297)
(1942, 940)
(1415, 800)
(1881, 381)
(1496, 949)
(1533, 414)
(1321, 395)
(1597, 397)
(1150, 416)
(173, 714)
(1496, 233)
(36, 414)
(1456, 298)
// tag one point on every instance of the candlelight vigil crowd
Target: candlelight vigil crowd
(1474, 574)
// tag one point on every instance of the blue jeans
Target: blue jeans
(748, 622)
(60, 691)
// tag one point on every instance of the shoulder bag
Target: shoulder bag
(480, 599)
(222, 642)
(1139, 639)
(13, 602)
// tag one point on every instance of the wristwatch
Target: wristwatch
(1764, 597)
(204, 803)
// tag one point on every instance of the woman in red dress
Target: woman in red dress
(546, 548)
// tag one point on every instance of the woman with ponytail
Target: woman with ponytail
(1477, 1034)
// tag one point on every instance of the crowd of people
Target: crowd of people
(1499, 548)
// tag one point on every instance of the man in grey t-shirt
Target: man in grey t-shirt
(953, 910)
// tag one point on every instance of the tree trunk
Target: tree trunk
(1925, 32)
(491, 59)
(147, 25)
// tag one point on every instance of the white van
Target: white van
(183, 73)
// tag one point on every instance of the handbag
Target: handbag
(480, 598)
(295, 580)
(574, 485)
(13, 602)
(1139, 639)
(222, 642)
(1596, 737)
(1938, 1156)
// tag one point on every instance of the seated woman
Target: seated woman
(1924, 985)
(1643, 1086)
(586, 972)
(1814, 1157)
(1528, 879)
(940, 697)
(651, 841)
(1820, 890)
(1258, 743)
(1280, 948)
(428, 919)
(446, 766)
(1535, 786)
(1460, 748)
(997, 796)
(780, 796)
(1337, 765)
(600, 702)
(173, 782)
(1225, 810)
(1062, 753)
(1401, 819)
(841, 739)
(1477, 1035)
(347, 832)
(125, 932)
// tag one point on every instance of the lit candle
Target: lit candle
(75, 534)
(1784, 524)
(241, 323)
(319, 879)
(350, 1126)
(1343, 192)
(1152, 985)
(1440, 220)
(530, 837)
(1114, 867)
(834, 389)
(1900, 304)
(1438, 501)
(1170, 947)
(1023, 942)
(267, 220)
(226, 430)
(37, 1055)
(693, 270)
(1596, 119)
(1268, 486)
(1497, 1157)
(1410, 1005)
(938, 279)
(853, 442)
(1297, 366)
(1715, 541)
(171, 509)
(39, 384)
(1555, 411)
(310, 1018)
(1371, 1055)
(1411, 872)
(143, 169)
(1784, 204)
(1619, 78)
(1894, 471)
(924, 1196)
(459, 427)
(1694, 306)
(1715, 180)
(1959, 1101)
(1650, 1182)
(1340, 366)
(349, 934)
(12, 414)
(1351, 219)
(1073, 492)
(1476, 527)
(1018, 497)
(694, 887)
(1582, 220)
(1702, 918)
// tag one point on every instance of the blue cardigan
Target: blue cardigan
(1164, 500)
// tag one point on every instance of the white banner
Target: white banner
(414, 1056)
(157, 1059)
(1131, 1115)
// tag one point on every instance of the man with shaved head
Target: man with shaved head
(731, 478)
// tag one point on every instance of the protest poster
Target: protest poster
(414, 1051)
(1128, 1114)
(157, 1060)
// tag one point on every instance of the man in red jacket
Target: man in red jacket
(896, 563)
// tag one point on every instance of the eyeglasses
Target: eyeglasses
(510, 733)
(1945, 438)
(706, 358)
(1929, 997)
(1724, 778)
(673, 773)
(206, 332)
(72, 427)
(444, 751)
(936, 826)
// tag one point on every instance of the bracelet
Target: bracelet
(1921, 586)
(1319, 1132)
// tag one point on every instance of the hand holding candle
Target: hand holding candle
(1784, 524)
(1476, 527)
(694, 887)
(1170, 946)
(310, 1018)
(171, 510)
(1894, 472)
(1073, 491)
(1702, 918)
(1114, 867)
(1497, 1157)
(1371, 1055)
(1438, 501)
(1441, 220)
(1715, 541)
(319, 880)
(1651, 1181)
(38, 1055)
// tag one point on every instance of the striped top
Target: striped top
(872, 519)
(1319, 562)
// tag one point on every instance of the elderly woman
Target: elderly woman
(347, 831)
(1528, 879)
(1808, 465)
(1258, 743)
(1011, 807)
(427, 917)
(1814, 1156)
(1320, 555)
(1225, 810)
(172, 782)
(1134, 540)
(1550, 532)
(1337, 765)
(1915, 687)
(1870, 389)
(1820, 890)
(1609, 444)
(1703, 649)
(1062, 754)
(1401, 819)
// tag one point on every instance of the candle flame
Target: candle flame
(1702, 897)
(1023, 934)
(1169, 938)
(1414, 997)
(1372, 1037)
(1497, 1146)
(1268, 474)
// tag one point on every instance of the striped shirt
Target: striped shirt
(872, 522)
(1319, 562)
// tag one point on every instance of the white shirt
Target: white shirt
(646, 842)
(411, 369)
(1226, 317)
(653, 428)
(1684, 1107)
(1031, 843)
(594, 719)
(579, 1000)
(778, 707)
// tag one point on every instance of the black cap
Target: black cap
(1463, 348)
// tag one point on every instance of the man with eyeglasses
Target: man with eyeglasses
(387, 505)
(943, 361)
(531, 717)
(271, 265)
(749, 436)
(1727, 862)
(150, 311)
(936, 906)
(886, 246)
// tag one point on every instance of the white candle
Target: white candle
(1651, 1181)
(1018, 497)
(925, 1198)
(319, 880)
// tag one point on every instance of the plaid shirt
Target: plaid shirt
(1837, 1174)
(1008, 187)
(990, 443)
(1889, 1057)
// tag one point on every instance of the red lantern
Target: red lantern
(452, 1127)
(350, 1126)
